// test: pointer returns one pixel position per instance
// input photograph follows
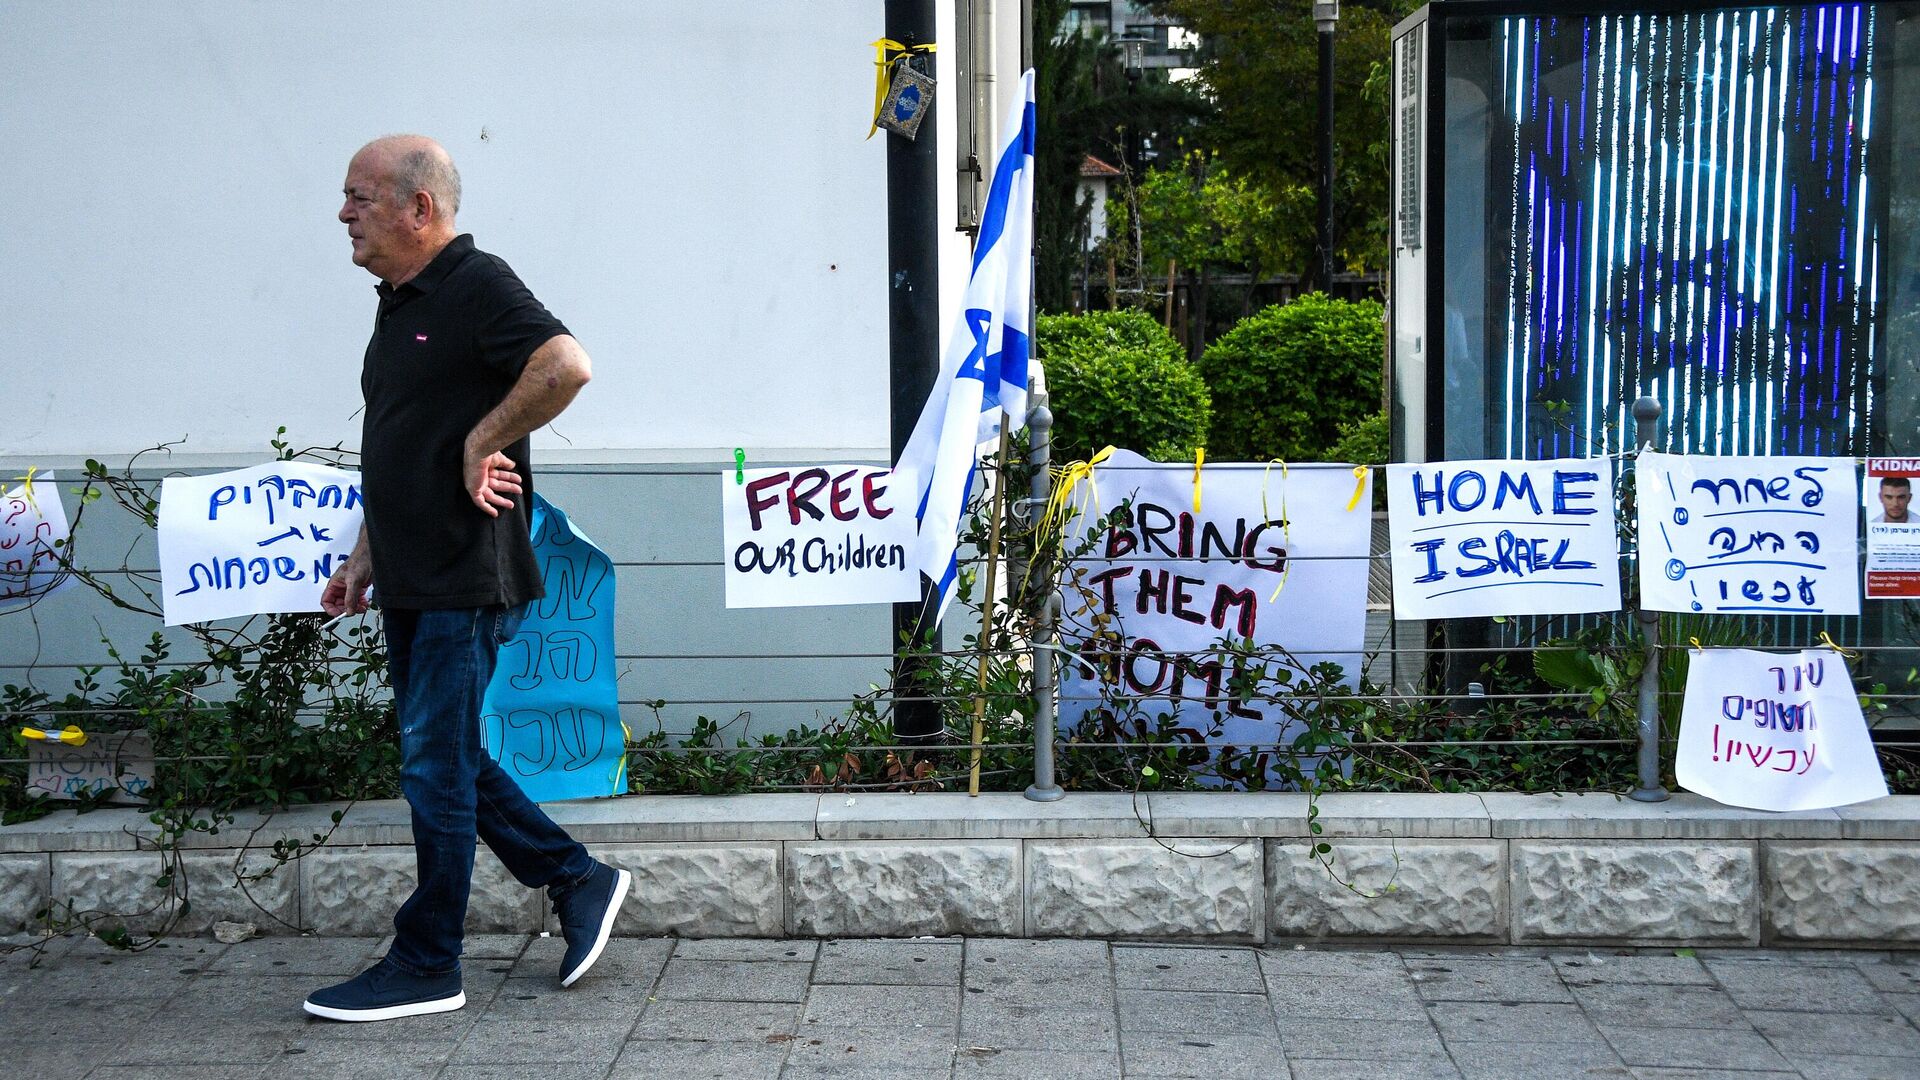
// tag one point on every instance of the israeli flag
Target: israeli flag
(983, 372)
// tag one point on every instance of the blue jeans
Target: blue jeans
(440, 663)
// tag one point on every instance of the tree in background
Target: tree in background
(1260, 66)
(1200, 217)
(1082, 106)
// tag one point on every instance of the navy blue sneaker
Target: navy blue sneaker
(384, 992)
(586, 918)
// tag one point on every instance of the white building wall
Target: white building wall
(688, 186)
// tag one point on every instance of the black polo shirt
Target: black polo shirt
(447, 346)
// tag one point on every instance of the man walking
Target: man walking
(464, 363)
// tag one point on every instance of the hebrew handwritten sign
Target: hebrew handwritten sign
(33, 536)
(1502, 538)
(1751, 535)
(1775, 731)
(120, 762)
(551, 715)
(1272, 557)
(254, 541)
(806, 536)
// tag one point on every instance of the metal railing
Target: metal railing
(1045, 704)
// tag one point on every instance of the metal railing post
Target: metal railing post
(1646, 414)
(1045, 727)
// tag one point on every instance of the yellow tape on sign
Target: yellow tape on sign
(1359, 486)
(1835, 646)
(71, 735)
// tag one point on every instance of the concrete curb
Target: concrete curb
(1213, 866)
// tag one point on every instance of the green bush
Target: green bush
(1364, 442)
(1118, 377)
(1288, 379)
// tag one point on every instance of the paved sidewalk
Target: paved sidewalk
(982, 1007)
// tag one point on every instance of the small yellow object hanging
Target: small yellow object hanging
(71, 735)
(882, 66)
(26, 486)
(1835, 646)
(1199, 458)
(1286, 527)
(1359, 486)
(1066, 480)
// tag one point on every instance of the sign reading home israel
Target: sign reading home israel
(1775, 731)
(1270, 557)
(1752, 535)
(1502, 538)
(254, 541)
(804, 536)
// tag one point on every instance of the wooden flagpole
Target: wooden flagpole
(986, 619)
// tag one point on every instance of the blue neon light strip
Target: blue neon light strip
(1689, 213)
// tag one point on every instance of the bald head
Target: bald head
(402, 192)
(415, 163)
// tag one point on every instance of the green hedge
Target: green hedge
(1118, 377)
(1287, 381)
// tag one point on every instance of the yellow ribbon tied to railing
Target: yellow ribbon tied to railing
(1835, 646)
(1359, 486)
(26, 486)
(882, 63)
(1199, 458)
(1286, 527)
(71, 735)
(1066, 480)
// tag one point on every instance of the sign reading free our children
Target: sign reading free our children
(815, 535)
(254, 541)
(1502, 538)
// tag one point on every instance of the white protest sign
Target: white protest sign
(254, 541)
(33, 535)
(1151, 602)
(1775, 731)
(1752, 535)
(815, 535)
(119, 762)
(1502, 538)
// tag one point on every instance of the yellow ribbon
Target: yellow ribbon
(72, 736)
(880, 65)
(1199, 457)
(1286, 527)
(1695, 642)
(26, 486)
(620, 770)
(1835, 646)
(1359, 486)
(1065, 480)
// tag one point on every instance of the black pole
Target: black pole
(913, 333)
(1325, 238)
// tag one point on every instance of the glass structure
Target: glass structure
(1709, 205)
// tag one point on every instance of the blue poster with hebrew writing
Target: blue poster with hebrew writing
(551, 716)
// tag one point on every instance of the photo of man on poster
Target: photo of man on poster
(1896, 496)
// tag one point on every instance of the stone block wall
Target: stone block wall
(1216, 866)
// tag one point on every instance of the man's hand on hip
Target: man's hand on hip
(346, 591)
(490, 481)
